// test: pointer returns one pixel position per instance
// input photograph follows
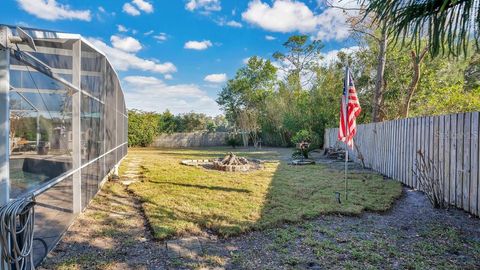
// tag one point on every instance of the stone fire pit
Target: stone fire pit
(229, 163)
(232, 163)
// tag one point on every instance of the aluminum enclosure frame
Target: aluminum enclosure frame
(91, 84)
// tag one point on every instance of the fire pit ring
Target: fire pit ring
(232, 163)
(229, 163)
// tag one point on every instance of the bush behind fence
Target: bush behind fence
(450, 141)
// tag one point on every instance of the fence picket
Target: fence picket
(405, 139)
(410, 150)
(459, 170)
(416, 144)
(446, 157)
(466, 161)
(435, 146)
(474, 163)
(453, 159)
(441, 152)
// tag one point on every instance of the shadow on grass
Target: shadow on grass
(298, 193)
(218, 188)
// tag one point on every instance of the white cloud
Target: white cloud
(123, 61)
(121, 28)
(148, 33)
(168, 77)
(282, 16)
(267, 37)
(178, 98)
(332, 56)
(231, 23)
(144, 5)
(294, 16)
(130, 9)
(52, 11)
(216, 78)
(234, 24)
(102, 9)
(198, 45)
(161, 37)
(127, 44)
(205, 6)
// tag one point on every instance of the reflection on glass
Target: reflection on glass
(92, 128)
(40, 129)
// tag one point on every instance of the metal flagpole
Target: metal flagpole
(346, 85)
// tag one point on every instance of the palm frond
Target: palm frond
(448, 25)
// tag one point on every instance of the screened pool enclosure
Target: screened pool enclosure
(63, 124)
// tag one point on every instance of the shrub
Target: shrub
(303, 136)
(233, 140)
(142, 127)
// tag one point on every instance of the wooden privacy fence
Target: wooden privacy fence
(450, 141)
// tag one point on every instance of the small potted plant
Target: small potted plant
(302, 140)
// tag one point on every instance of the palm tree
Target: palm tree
(448, 25)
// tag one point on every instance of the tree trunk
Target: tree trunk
(381, 62)
(416, 62)
(255, 139)
(245, 138)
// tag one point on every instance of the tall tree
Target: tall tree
(252, 83)
(167, 123)
(244, 96)
(380, 81)
(300, 60)
(417, 60)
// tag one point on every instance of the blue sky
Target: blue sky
(177, 54)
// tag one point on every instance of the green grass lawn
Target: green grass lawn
(181, 200)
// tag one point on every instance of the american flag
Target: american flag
(350, 112)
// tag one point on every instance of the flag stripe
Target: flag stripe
(349, 111)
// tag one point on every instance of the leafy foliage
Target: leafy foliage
(245, 96)
(286, 108)
(302, 140)
(233, 140)
(448, 24)
(142, 127)
(302, 136)
(167, 122)
(300, 60)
